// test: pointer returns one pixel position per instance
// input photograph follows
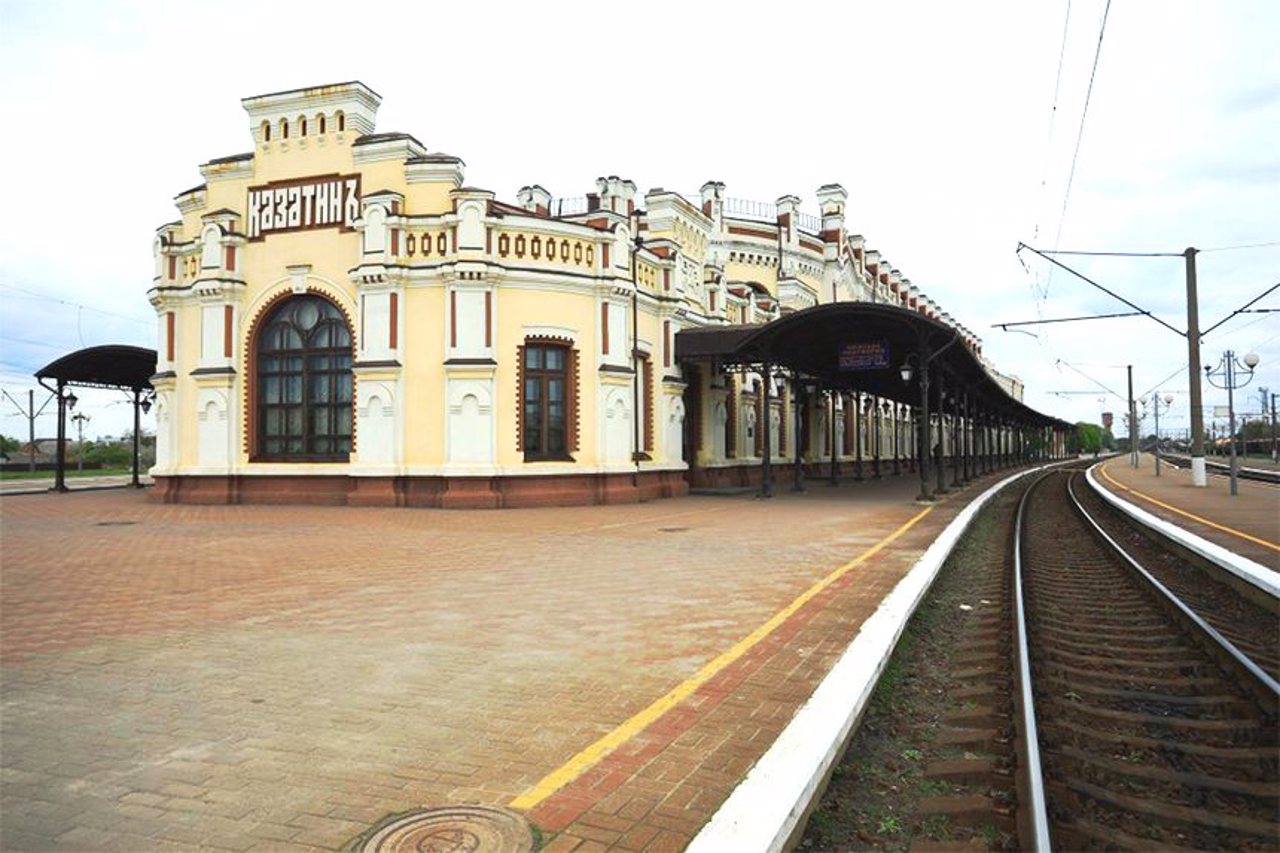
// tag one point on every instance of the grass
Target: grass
(70, 472)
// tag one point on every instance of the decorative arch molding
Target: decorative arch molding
(460, 390)
(299, 285)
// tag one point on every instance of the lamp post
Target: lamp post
(1156, 402)
(857, 435)
(66, 402)
(910, 369)
(80, 418)
(1275, 448)
(1227, 371)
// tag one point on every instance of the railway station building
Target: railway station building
(342, 319)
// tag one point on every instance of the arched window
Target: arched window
(284, 128)
(341, 119)
(320, 123)
(266, 131)
(302, 125)
(303, 357)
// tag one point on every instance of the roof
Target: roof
(375, 138)
(110, 366)
(811, 341)
(232, 158)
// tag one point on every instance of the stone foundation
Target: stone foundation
(432, 492)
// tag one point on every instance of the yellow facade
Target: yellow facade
(440, 286)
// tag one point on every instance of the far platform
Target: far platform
(1247, 523)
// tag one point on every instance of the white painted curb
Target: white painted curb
(766, 808)
(1255, 573)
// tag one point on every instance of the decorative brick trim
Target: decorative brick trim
(393, 336)
(646, 367)
(573, 388)
(250, 397)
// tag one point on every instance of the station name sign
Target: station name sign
(864, 355)
(325, 201)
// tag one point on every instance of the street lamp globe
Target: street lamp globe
(1251, 360)
(1168, 399)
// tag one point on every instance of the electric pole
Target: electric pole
(1198, 477)
(1133, 424)
(30, 413)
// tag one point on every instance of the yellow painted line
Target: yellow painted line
(1263, 542)
(584, 760)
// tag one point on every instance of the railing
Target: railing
(808, 222)
(569, 206)
(746, 209)
(739, 208)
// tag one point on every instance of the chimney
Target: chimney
(788, 207)
(616, 195)
(831, 201)
(713, 201)
(535, 199)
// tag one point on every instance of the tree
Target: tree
(9, 445)
(1089, 437)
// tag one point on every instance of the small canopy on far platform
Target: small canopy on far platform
(128, 368)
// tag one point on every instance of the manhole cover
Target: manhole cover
(115, 523)
(449, 829)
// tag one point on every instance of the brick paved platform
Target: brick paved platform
(1254, 511)
(263, 678)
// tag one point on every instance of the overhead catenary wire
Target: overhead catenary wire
(1053, 115)
(1105, 290)
(1091, 379)
(1242, 308)
(1084, 115)
(1240, 246)
(37, 295)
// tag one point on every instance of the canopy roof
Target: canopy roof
(813, 341)
(111, 366)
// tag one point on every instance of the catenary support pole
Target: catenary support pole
(1198, 477)
(1133, 423)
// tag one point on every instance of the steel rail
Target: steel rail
(1221, 469)
(1039, 815)
(1270, 685)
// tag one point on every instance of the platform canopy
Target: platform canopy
(110, 366)
(859, 346)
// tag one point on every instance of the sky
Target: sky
(958, 129)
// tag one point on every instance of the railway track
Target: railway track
(1222, 469)
(1148, 726)
(1144, 732)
